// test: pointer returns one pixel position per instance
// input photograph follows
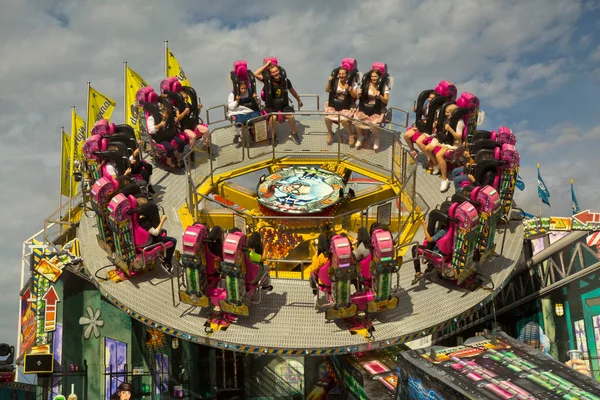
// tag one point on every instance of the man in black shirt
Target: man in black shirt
(279, 97)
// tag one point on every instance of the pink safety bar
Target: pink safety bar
(193, 239)
(446, 243)
(91, 146)
(240, 69)
(341, 251)
(103, 189)
(233, 246)
(146, 95)
(510, 155)
(382, 67)
(504, 135)
(170, 84)
(383, 244)
(467, 215)
(446, 89)
(349, 63)
(272, 59)
(468, 100)
(101, 127)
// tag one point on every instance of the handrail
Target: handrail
(311, 95)
(391, 121)
(397, 169)
(224, 107)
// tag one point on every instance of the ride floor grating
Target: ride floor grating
(286, 318)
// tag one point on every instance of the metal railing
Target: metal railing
(199, 172)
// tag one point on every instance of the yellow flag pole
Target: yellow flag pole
(125, 90)
(87, 111)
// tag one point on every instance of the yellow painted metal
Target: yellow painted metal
(244, 197)
(185, 217)
(386, 189)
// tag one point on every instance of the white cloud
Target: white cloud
(50, 50)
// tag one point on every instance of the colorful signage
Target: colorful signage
(300, 190)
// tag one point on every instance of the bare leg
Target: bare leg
(408, 139)
(292, 122)
(191, 136)
(442, 162)
(328, 124)
(445, 185)
(351, 135)
(361, 136)
(376, 138)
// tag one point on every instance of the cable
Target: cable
(100, 279)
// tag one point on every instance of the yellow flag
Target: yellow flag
(133, 83)
(174, 69)
(100, 107)
(65, 166)
(78, 129)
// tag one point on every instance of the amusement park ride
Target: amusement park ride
(248, 250)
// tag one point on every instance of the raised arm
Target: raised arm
(258, 72)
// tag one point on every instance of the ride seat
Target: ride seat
(170, 84)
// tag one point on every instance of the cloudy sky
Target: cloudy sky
(534, 64)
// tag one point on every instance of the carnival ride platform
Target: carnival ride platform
(285, 322)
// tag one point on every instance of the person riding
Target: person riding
(279, 90)
(189, 124)
(373, 103)
(148, 218)
(243, 107)
(449, 139)
(163, 132)
(343, 95)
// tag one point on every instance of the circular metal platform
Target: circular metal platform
(286, 322)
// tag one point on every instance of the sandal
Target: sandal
(418, 277)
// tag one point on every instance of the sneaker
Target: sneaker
(435, 170)
(236, 139)
(376, 145)
(445, 185)
(295, 138)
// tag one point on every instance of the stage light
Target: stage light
(559, 309)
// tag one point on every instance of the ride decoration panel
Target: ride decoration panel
(300, 190)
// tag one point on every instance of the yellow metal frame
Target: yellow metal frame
(219, 184)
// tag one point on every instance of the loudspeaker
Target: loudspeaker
(38, 363)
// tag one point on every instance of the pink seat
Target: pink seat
(170, 84)
(323, 278)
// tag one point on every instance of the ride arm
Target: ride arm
(258, 72)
